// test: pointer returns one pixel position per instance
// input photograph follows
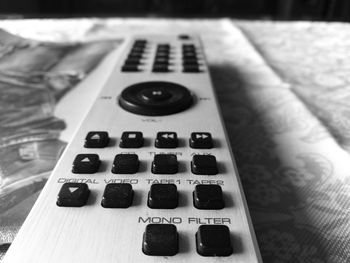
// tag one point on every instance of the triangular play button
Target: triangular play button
(72, 189)
(85, 160)
(95, 137)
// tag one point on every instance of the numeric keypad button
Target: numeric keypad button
(130, 68)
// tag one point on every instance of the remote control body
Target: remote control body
(93, 233)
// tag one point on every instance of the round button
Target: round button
(155, 98)
(156, 94)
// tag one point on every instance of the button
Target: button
(160, 240)
(132, 100)
(160, 68)
(156, 94)
(189, 54)
(166, 140)
(96, 139)
(73, 195)
(213, 240)
(136, 53)
(140, 41)
(86, 164)
(191, 69)
(201, 140)
(135, 56)
(190, 63)
(204, 164)
(165, 164)
(161, 60)
(137, 49)
(163, 196)
(131, 140)
(188, 46)
(132, 62)
(117, 196)
(163, 47)
(130, 68)
(208, 197)
(125, 164)
(184, 37)
(162, 55)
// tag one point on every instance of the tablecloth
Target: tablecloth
(283, 89)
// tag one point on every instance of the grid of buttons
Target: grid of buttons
(190, 60)
(134, 59)
(165, 57)
(158, 239)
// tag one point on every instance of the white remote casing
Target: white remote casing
(93, 233)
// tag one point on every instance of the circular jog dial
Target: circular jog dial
(155, 98)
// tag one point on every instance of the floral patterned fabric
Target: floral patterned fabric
(294, 166)
(283, 89)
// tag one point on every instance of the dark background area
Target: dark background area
(326, 10)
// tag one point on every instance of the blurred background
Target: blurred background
(322, 10)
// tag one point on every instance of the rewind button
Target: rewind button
(166, 140)
(73, 195)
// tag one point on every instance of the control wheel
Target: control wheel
(155, 98)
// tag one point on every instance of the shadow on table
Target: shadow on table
(260, 120)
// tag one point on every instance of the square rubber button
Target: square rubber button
(201, 140)
(208, 197)
(166, 140)
(160, 240)
(165, 164)
(86, 164)
(163, 196)
(213, 240)
(73, 195)
(117, 196)
(125, 164)
(131, 139)
(96, 139)
(204, 164)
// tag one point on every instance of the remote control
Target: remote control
(149, 175)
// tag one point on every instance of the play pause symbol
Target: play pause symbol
(166, 140)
